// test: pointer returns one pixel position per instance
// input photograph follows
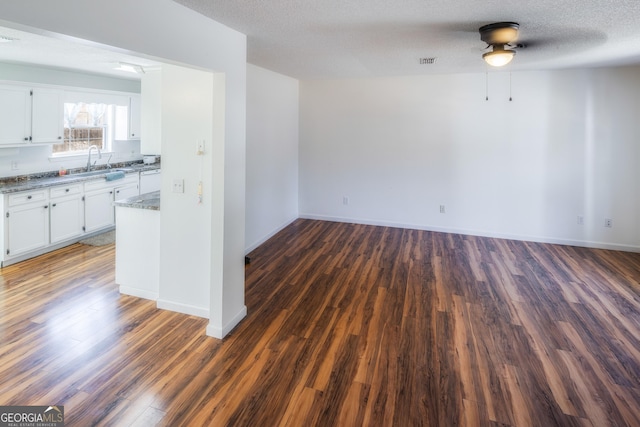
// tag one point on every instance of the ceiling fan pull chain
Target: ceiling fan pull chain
(486, 74)
(510, 97)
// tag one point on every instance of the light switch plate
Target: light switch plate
(178, 185)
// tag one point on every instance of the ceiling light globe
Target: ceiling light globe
(498, 58)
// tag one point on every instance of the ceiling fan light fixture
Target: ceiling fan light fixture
(499, 57)
(498, 35)
(130, 68)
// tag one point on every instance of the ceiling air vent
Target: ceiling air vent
(427, 61)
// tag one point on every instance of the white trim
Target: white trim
(481, 233)
(220, 333)
(140, 293)
(270, 235)
(182, 308)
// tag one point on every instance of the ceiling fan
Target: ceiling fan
(498, 36)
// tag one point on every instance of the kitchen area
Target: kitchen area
(202, 99)
(191, 119)
(45, 212)
(69, 157)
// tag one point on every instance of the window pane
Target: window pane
(80, 139)
(85, 125)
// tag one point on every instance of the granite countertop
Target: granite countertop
(50, 179)
(149, 201)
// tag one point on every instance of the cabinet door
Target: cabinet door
(47, 121)
(126, 191)
(15, 115)
(27, 229)
(67, 218)
(134, 117)
(98, 210)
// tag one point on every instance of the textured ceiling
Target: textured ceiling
(361, 38)
(366, 38)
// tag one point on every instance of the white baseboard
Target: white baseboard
(270, 235)
(481, 233)
(183, 308)
(140, 293)
(220, 333)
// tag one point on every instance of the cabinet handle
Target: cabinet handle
(29, 197)
(59, 137)
(53, 205)
(26, 138)
(110, 192)
(46, 207)
(66, 190)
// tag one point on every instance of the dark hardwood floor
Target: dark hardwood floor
(348, 325)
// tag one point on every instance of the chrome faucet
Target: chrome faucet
(89, 157)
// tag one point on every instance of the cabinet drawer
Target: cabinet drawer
(101, 183)
(26, 197)
(66, 190)
(97, 184)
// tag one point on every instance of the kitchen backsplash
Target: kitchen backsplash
(24, 161)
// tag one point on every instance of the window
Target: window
(86, 125)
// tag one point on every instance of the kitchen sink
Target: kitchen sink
(98, 172)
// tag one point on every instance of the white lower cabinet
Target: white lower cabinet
(126, 191)
(98, 209)
(66, 213)
(38, 219)
(27, 228)
(99, 197)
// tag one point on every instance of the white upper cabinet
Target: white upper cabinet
(15, 115)
(134, 117)
(30, 115)
(47, 123)
(34, 114)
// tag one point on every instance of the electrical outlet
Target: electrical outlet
(608, 222)
(442, 210)
(178, 185)
(580, 220)
(345, 201)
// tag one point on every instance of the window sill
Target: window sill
(54, 158)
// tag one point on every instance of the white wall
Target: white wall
(187, 116)
(272, 154)
(398, 148)
(166, 31)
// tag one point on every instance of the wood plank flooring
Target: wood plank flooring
(348, 325)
